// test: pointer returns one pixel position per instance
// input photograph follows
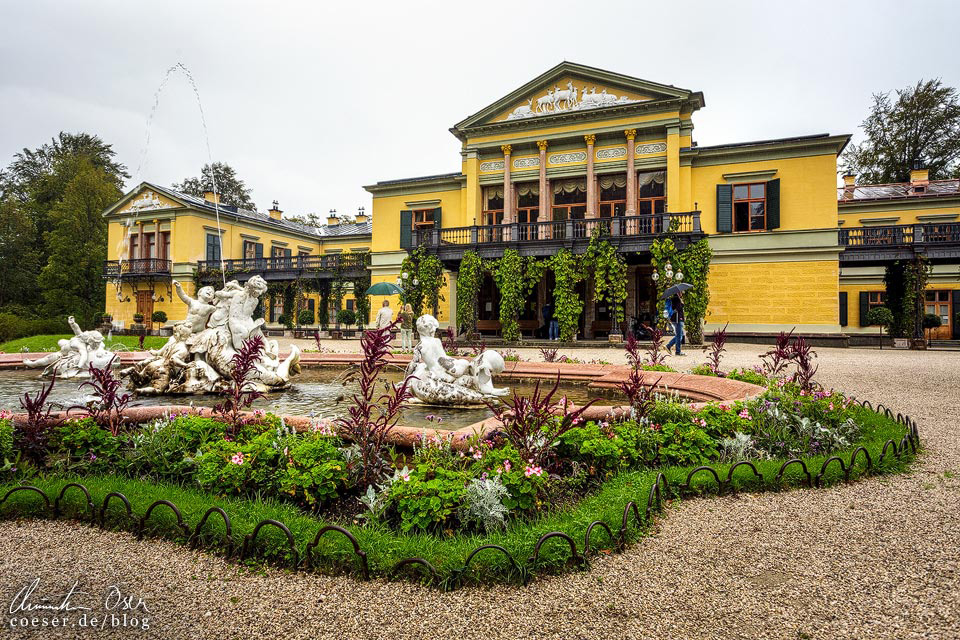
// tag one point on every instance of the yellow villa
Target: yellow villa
(575, 150)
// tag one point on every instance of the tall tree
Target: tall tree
(31, 187)
(18, 255)
(71, 281)
(922, 126)
(232, 189)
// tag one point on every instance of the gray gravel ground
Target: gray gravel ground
(876, 559)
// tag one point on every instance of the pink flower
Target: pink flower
(405, 475)
(532, 471)
(506, 466)
(237, 458)
(744, 414)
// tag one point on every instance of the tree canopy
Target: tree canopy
(232, 189)
(920, 127)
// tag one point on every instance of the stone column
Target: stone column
(544, 193)
(631, 172)
(156, 239)
(140, 241)
(591, 182)
(507, 187)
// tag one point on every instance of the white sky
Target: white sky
(311, 100)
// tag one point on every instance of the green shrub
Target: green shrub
(234, 468)
(167, 449)
(749, 375)
(721, 420)
(346, 317)
(159, 316)
(610, 446)
(13, 326)
(428, 500)
(658, 367)
(703, 370)
(7, 452)
(315, 470)
(670, 411)
(305, 316)
(84, 446)
(684, 444)
(523, 487)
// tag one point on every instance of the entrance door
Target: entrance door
(938, 303)
(145, 306)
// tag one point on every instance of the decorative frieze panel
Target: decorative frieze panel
(656, 147)
(148, 201)
(611, 154)
(566, 158)
(572, 98)
(493, 165)
(526, 163)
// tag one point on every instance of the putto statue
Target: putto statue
(76, 355)
(438, 379)
(198, 357)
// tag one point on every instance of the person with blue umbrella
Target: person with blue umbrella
(674, 296)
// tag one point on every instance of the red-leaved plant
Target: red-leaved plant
(31, 437)
(656, 354)
(106, 407)
(640, 395)
(531, 423)
(549, 354)
(372, 417)
(450, 346)
(803, 356)
(776, 361)
(716, 349)
(241, 393)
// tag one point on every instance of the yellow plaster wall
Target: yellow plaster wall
(808, 190)
(386, 215)
(584, 127)
(775, 293)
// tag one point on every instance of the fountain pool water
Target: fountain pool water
(315, 391)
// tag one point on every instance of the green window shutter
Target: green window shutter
(864, 308)
(406, 229)
(258, 250)
(287, 253)
(843, 308)
(955, 318)
(437, 218)
(773, 204)
(724, 208)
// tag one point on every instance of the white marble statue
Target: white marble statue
(198, 358)
(76, 355)
(438, 379)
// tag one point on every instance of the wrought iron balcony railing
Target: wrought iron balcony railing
(559, 230)
(901, 235)
(138, 267)
(281, 265)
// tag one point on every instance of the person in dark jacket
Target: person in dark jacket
(676, 317)
(553, 328)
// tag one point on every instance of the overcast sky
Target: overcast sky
(309, 101)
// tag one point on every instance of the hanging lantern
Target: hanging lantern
(415, 282)
(655, 276)
(679, 275)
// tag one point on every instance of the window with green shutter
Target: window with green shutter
(724, 208)
(843, 308)
(406, 229)
(773, 204)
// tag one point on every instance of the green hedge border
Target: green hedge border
(620, 512)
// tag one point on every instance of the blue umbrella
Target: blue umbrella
(675, 289)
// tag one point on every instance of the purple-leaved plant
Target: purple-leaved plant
(31, 437)
(241, 392)
(106, 407)
(716, 349)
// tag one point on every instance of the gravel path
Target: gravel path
(879, 558)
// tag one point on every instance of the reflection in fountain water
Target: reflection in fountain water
(320, 392)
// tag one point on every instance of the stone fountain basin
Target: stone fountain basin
(699, 389)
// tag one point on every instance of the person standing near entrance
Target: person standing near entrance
(384, 316)
(406, 328)
(553, 327)
(676, 317)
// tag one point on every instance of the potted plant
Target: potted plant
(138, 318)
(346, 317)
(931, 321)
(881, 316)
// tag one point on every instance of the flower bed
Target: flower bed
(542, 489)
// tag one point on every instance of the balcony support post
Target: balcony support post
(631, 173)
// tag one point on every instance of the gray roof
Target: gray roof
(350, 229)
(942, 188)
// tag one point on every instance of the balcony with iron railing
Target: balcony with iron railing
(629, 233)
(898, 242)
(138, 268)
(287, 267)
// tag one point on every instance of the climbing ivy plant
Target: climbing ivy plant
(903, 280)
(469, 280)
(694, 263)
(508, 273)
(426, 292)
(568, 305)
(360, 286)
(609, 270)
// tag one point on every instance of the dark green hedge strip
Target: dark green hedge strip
(245, 530)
